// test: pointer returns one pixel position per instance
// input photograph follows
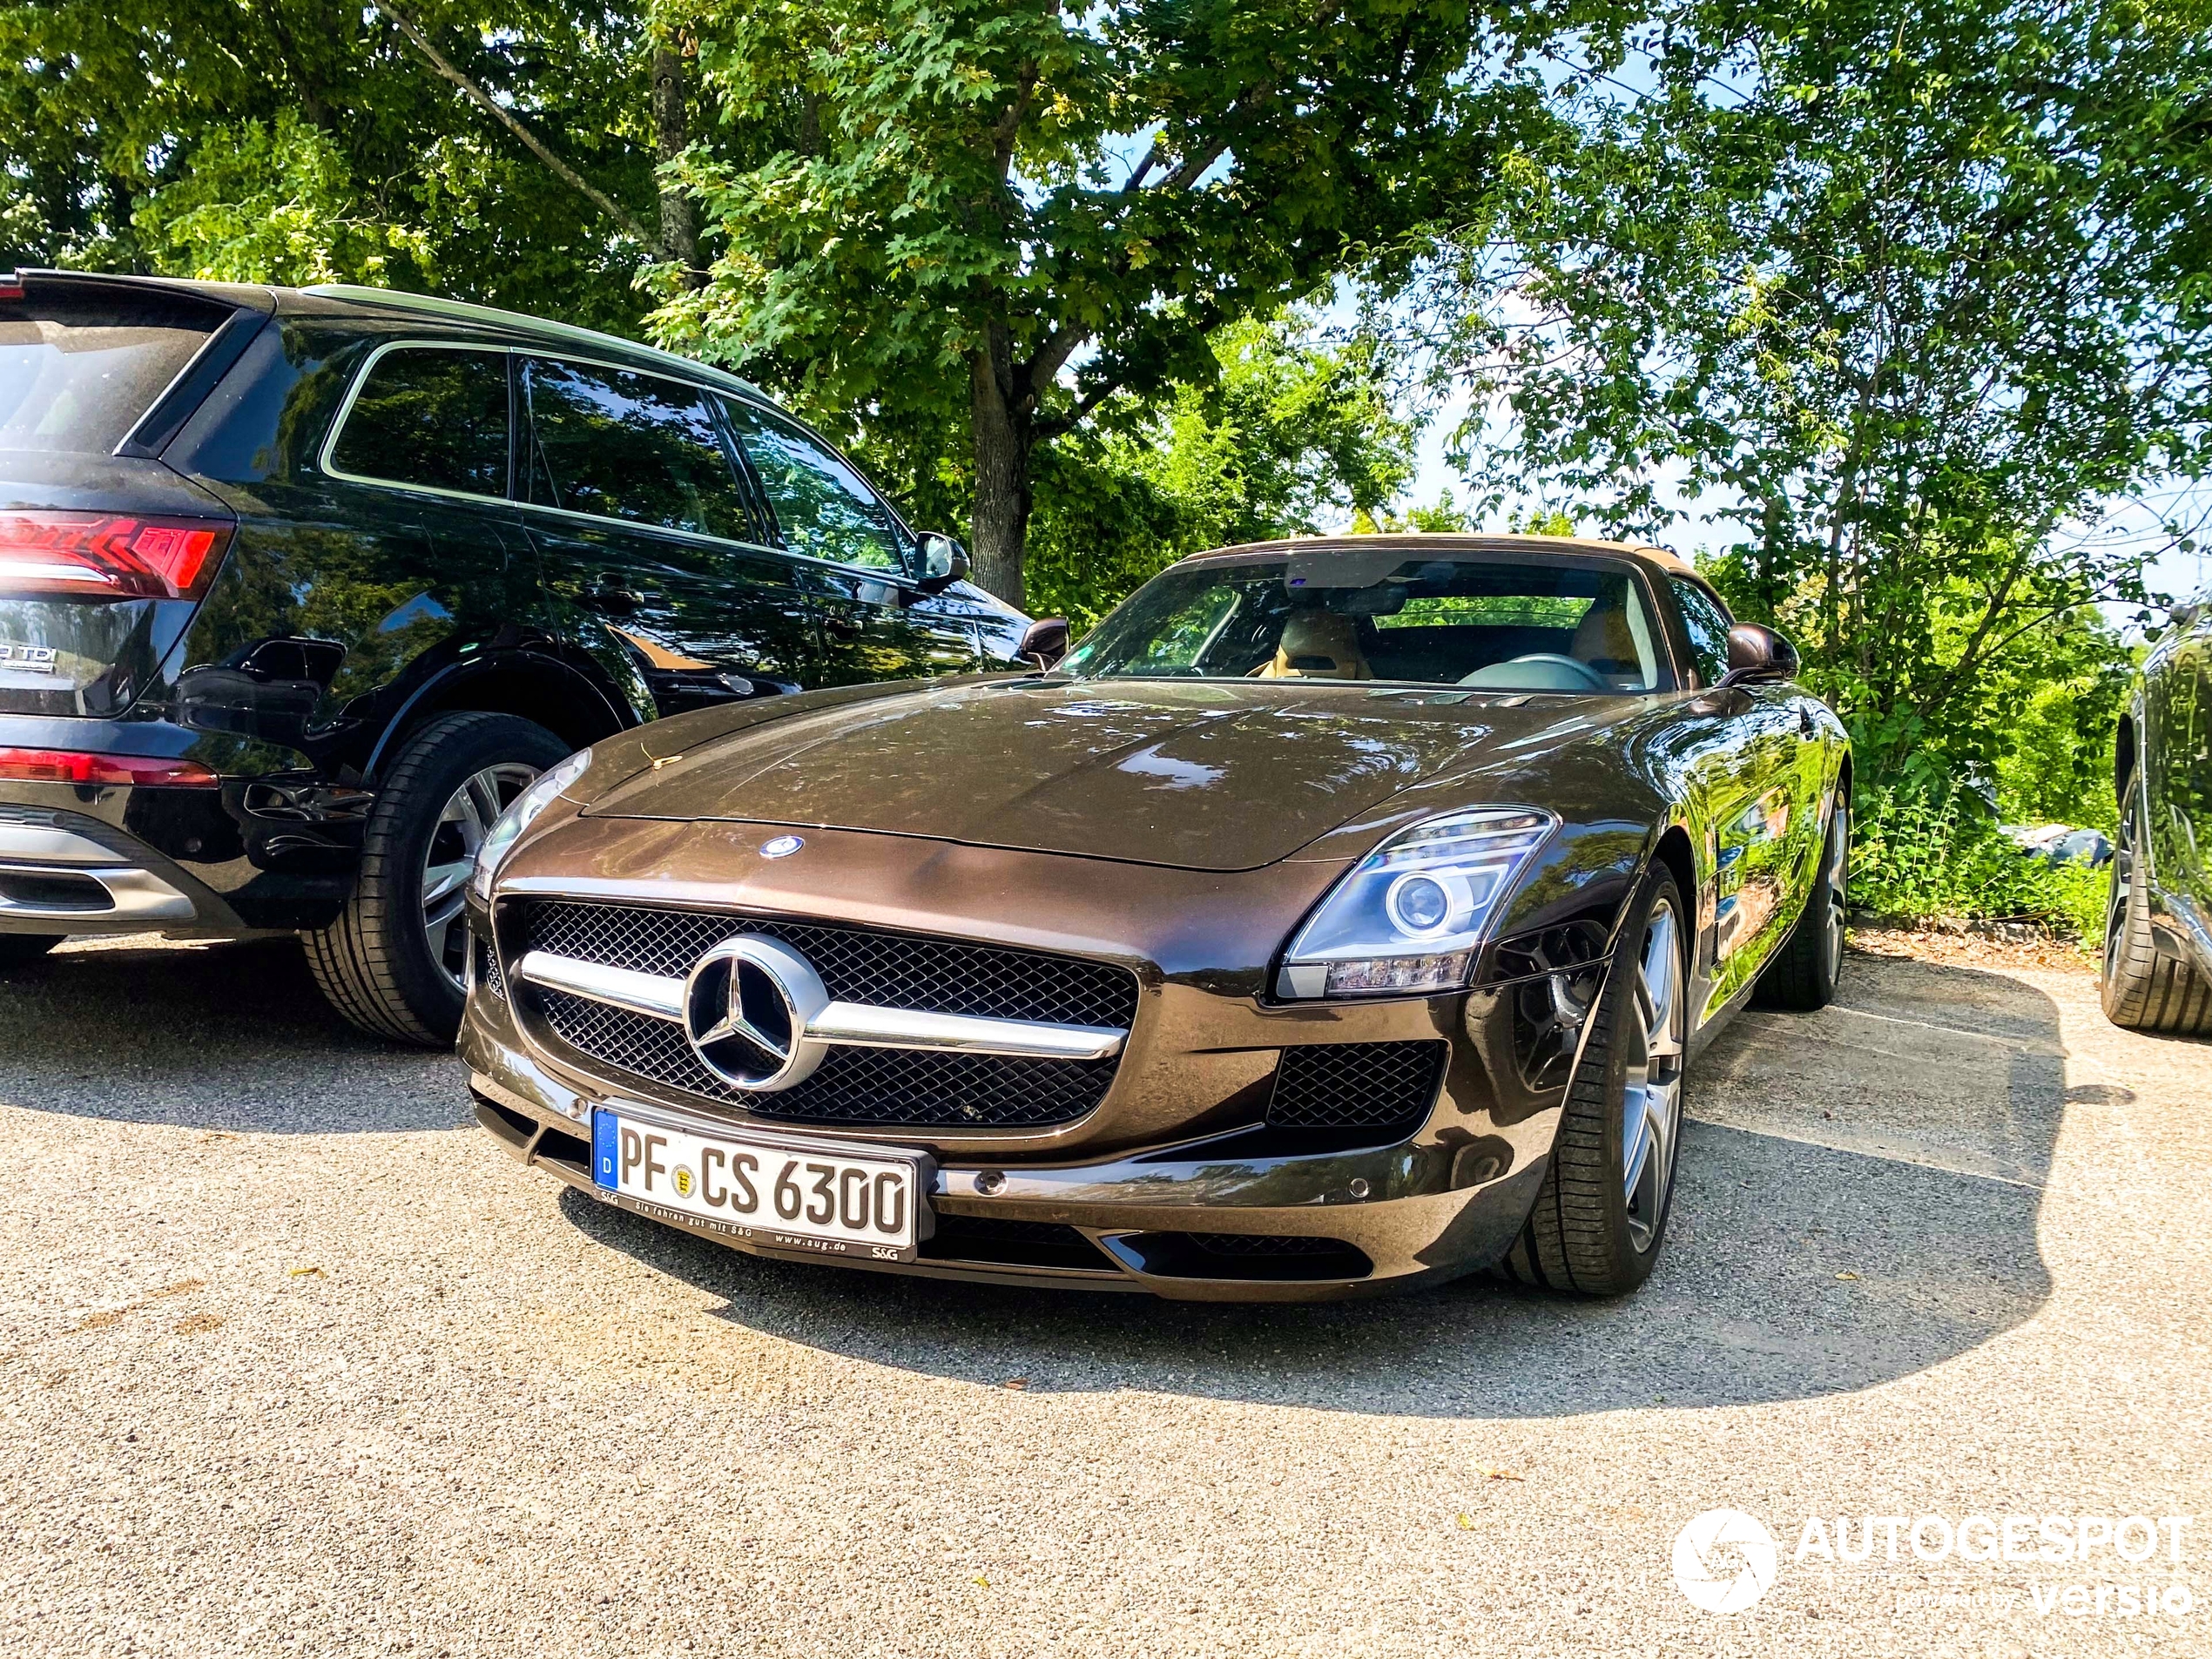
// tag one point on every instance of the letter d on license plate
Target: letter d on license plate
(835, 1199)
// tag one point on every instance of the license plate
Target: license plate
(792, 1196)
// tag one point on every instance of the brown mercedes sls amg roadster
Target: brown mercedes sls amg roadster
(1338, 915)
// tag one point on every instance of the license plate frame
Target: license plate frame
(820, 1170)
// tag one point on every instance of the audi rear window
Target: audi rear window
(77, 369)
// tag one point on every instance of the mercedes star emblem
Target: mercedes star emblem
(746, 1008)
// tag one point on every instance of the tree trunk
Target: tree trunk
(1003, 427)
(680, 237)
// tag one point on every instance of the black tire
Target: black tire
(20, 950)
(2143, 988)
(376, 963)
(1804, 973)
(1587, 1234)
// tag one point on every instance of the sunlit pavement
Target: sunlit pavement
(292, 1358)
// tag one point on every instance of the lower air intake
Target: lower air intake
(1378, 1086)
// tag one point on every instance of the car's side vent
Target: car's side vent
(1378, 1086)
(488, 974)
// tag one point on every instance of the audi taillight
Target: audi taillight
(80, 766)
(105, 555)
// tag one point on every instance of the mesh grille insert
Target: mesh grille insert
(857, 964)
(488, 974)
(889, 1087)
(1356, 1085)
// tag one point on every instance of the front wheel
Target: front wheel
(395, 960)
(1602, 1215)
(2143, 988)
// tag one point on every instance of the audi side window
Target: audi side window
(1707, 625)
(434, 416)
(618, 443)
(825, 509)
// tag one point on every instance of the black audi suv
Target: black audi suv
(2158, 923)
(299, 588)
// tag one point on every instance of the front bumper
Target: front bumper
(1432, 1207)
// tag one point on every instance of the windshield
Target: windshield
(1496, 625)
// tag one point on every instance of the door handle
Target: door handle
(843, 627)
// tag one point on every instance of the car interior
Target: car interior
(1481, 624)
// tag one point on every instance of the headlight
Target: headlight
(525, 807)
(1409, 916)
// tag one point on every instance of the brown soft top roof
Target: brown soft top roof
(1658, 558)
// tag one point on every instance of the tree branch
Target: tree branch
(1062, 424)
(568, 175)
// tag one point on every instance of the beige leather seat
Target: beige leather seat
(1604, 640)
(1318, 646)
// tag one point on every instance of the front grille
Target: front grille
(1356, 1085)
(891, 1088)
(857, 964)
(914, 1087)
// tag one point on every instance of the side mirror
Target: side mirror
(1755, 654)
(1044, 642)
(944, 562)
(2182, 615)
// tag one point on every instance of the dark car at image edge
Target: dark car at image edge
(2157, 964)
(299, 588)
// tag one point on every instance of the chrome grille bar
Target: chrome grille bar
(856, 1025)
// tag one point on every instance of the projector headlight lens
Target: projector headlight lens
(1409, 916)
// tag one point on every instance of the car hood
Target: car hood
(1205, 776)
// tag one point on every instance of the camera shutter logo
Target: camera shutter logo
(1707, 1581)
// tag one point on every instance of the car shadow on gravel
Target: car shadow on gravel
(227, 1035)
(1858, 1201)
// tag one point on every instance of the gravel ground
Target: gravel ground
(292, 1359)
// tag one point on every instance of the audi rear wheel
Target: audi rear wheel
(396, 961)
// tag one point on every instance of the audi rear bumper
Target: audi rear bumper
(70, 873)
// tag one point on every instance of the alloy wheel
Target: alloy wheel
(1652, 1097)
(461, 829)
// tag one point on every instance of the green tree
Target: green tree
(1287, 435)
(993, 218)
(504, 152)
(1905, 284)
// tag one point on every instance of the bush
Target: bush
(1921, 858)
